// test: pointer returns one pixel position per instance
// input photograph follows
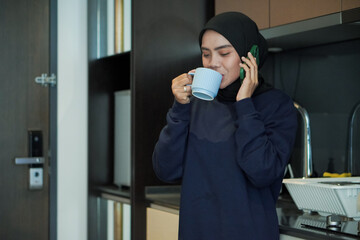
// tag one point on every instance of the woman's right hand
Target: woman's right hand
(181, 88)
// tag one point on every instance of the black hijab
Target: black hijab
(242, 33)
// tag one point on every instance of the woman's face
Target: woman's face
(219, 55)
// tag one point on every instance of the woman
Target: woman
(229, 153)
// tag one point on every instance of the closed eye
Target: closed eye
(206, 55)
(224, 54)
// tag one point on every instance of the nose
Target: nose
(214, 62)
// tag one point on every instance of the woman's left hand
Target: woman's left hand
(250, 81)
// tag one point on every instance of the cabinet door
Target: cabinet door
(288, 11)
(161, 225)
(257, 10)
(349, 4)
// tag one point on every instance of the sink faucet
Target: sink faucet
(351, 137)
(307, 156)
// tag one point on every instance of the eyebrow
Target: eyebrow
(217, 48)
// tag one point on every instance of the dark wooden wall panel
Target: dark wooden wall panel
(165, 44)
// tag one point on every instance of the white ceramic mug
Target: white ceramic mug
(206, 83)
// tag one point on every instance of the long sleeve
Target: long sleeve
(169, 152)
(265, 138)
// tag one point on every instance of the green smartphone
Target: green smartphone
(255, 52)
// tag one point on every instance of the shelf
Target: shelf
(114, 193)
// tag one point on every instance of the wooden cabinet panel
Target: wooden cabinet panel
(161, 225)
(287, 11)
(257, 10)
(349, 4)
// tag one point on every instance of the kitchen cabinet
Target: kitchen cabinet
(349, 4)
(161, 224)
(272, 13)
(257, 10)
(288, 11)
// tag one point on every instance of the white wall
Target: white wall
(72, 120)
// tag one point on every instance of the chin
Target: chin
(224, 85)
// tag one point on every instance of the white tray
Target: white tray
(325, 196)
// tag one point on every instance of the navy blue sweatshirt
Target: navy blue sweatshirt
(230, 158)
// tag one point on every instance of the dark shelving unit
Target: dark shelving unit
(164, 45)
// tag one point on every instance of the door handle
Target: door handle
(29, 160)
(35, 170)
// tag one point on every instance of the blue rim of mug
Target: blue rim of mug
(203, 92)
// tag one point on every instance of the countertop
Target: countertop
(292, 221)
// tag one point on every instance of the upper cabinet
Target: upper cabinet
(272, 13)
(349, 4)
(288, 11)
(256, 10)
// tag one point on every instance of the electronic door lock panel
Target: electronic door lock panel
(35, 161)
(36, 170)
(36, 178)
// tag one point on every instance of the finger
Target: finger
(181, 85)
(191, 72)
(246, 61)
(183, 98)
(187, 88)
(252, 73)
(179, 88)
(182, 90)
(246, 68)
(252, 59)
(182, 80)
(252, 69)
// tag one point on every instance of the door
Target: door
(24, 107)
